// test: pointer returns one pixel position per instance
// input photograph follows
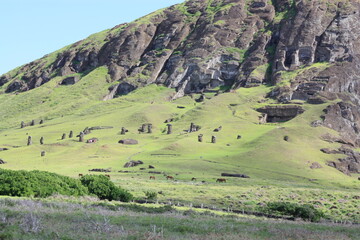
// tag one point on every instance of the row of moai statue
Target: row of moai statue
(32, 123)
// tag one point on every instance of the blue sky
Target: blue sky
(32, 28)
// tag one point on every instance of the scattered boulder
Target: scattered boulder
(315, 165)
(3, 149)
(238, 137)
(151, 167)
(128, 141)
(153, 172)
(99, 170)
(2, 161)
(133, 163)
(286, 138)
(234, 175)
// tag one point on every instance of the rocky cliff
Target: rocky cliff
(307, 50)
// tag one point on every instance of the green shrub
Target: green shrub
(306, 211)
(150, 195)
(102, 187)
(38, 184)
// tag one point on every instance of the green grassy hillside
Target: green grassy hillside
(278, 169)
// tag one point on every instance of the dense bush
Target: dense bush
(306, 211)
(38, 184)
(102, 187)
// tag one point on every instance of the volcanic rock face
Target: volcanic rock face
(309, 50)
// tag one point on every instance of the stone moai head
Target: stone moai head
(42, 140)
(149, 128)
(71, 134)
(213, 139)
(29, 141)
(200, 138)
(81, 137)
(63, 136)
(22, 124)
(169, 128)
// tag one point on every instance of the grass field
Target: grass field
(278, 169)
(60, 218)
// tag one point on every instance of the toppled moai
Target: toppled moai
(218, 129)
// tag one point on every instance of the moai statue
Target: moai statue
(123, 131)
(22, 124)
(81, 137)
(213, 139)
(43, 153)
(143, 128)
(63, 136)
(32, 123)
(192, 125)
(169, 129)
(200, 138)
(29, 142)
(71, 134)
(42, 140)
(197, 128)
(41, 121)
(149, 128)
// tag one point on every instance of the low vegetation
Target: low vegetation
(62, 218)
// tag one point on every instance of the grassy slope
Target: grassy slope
(261, 153)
